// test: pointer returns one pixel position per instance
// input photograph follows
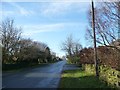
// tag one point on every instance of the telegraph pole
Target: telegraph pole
(119, 20)
(94, 35)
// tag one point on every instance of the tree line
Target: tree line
(107, 22)
(107, 26)
(72, 48)
(16, 49)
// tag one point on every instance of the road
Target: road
(41, 77)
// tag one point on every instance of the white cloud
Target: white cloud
(49, 9)
(30, 30)
(19, 10)
(6, 13)
(22, 10)
(34, 29)
(54, 9)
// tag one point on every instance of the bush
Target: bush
(74, 59)
(107, 74)
(107, 56)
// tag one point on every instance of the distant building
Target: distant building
(44, 49)
(64, 58)
(116, 43)
(53, 55)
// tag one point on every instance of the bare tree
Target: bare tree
(76, 47)
(72, 48)
(106, 23)
(10, 39)
(67, 45)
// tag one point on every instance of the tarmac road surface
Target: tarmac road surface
(40, 77)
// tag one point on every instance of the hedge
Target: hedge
(107, 74)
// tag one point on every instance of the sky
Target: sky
(49, 22)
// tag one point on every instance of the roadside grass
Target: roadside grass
(80, 79)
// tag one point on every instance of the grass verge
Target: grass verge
(80, 79)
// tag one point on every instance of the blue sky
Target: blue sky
(49, 22)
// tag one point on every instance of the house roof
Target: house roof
(42, 47)
(116, 43)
